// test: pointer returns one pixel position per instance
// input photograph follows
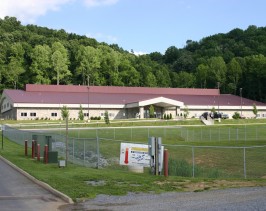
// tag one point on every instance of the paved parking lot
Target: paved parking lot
(18, 193)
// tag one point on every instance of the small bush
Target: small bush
(236, 115)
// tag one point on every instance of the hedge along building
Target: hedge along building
(46, 101)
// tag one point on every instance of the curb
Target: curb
(38, 182)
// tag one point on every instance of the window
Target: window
(53, 114)
(23, 114)
(111, 114)
(86, 114)
(102, 114)
(32, 114)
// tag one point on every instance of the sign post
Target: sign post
(3, 129)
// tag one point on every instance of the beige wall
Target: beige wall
(45, 113)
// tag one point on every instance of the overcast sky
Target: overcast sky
(142, 25)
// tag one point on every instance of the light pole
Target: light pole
(241, 101)
(88, 87)
(219, 98)
(124, 115)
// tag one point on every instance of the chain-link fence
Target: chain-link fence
(100, 147)
(188, 134)
(217, 161)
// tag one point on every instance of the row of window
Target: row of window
(34, 114)
(4, 106)
(52, 114)
(110, 114)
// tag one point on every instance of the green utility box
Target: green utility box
(44, 140)
(52, 157)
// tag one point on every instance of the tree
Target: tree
(41, 64)
(15, 66)
(186, 112)
(151, 111)
(88, 59)
(64, 112)
(171, 55)
(183, 79)
(65, 115)
(162, 75)
(60, 62)
(255, 110)
(202, 75)
(151, 80)
(106, 118)
(81, 114)
(234, 73)
(217, 71)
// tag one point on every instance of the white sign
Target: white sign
(134, 155)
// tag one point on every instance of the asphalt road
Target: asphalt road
(234, 199)
(18, 193)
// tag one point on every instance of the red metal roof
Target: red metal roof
(119, 90)
(93, 97)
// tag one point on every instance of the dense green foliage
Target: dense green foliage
(32, 54)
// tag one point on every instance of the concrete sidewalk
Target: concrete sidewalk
(21, 191)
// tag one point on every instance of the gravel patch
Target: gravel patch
(243, 199)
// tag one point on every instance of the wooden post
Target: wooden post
(45, 160)
(165, 160)
(38, 152)
(32, 149)
(26, 147)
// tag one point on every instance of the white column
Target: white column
(141, 112)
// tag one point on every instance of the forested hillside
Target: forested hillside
(33, 54)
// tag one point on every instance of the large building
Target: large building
(46, 101)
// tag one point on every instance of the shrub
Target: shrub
(170, 116)
(236, 115)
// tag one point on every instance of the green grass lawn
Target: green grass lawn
(74, 180)
(209, 162)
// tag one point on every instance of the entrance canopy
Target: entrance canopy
(158, 101)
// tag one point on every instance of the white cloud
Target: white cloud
(28, 11)
(139, 53)
(95, 3)
(103, 37)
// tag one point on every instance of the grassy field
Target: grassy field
(180, 139)
(80, 182)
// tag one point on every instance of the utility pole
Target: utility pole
(241, 100)
(219, 98)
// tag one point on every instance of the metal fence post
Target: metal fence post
(73, 151)
(131, 133)
(219, 134)
(245, 170)
(245, 132)
(193, 163)
(84, 152)
(98, 152)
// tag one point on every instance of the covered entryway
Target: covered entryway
(160, 104)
